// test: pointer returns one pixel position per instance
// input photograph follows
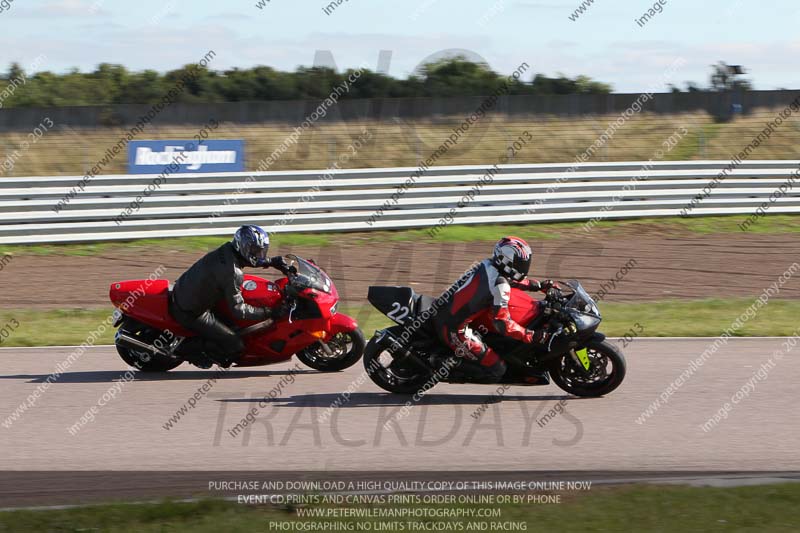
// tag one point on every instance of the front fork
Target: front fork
(579, 355)
(581, 358)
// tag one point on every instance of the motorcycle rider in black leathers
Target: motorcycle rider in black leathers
(218, 276)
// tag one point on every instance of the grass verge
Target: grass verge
(666, 318)
(765, 508)
(60, 327)
(452, 233)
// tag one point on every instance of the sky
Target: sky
(604, 42)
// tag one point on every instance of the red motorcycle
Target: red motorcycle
(152, 341)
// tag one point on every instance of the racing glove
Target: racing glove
(279, 263)
(533, 285)
(547, 284)
(277, 312)
(539, 337)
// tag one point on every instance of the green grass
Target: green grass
(61, 327)
(666, 318)
(695, 144)
(699, 318)
(452, 233)
(184, 244)
(768, 508)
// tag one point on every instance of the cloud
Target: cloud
(64, 8)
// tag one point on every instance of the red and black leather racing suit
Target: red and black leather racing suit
(485, 288)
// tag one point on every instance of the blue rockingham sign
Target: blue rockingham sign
(153, 157)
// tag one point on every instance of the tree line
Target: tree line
(111, 84)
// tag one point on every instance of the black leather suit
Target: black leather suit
(216, 276)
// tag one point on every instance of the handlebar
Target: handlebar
(554, 297)
(288, 271)
(553, 294)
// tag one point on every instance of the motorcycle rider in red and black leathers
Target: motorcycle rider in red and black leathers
(218, 276)
(488, 286)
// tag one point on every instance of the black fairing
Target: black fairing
(386, 298)
(403, 305)
(391, 300)
(586, 324)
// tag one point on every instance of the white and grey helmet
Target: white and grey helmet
(512, 257)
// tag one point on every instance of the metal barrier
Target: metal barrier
(345, 200)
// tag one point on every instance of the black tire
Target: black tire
(572, 378)
(392, 375)
(141, 359)
(348, 347)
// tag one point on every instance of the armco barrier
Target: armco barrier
(344, 200)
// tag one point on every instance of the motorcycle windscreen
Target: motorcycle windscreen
(394, 302)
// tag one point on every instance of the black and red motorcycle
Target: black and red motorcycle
(409, 358)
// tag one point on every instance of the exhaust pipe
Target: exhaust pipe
(136, 343)
(390, 342)
(397, 350)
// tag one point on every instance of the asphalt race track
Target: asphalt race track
(444, 431)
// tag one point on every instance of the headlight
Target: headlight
(333, 308)
(590, 309)
(585, 321)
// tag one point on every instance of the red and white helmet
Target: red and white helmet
(512, 257)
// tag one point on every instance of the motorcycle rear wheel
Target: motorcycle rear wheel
(141, 359)
(347, 348)
(607, 371)
(394, 375)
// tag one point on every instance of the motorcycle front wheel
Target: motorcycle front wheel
(345, 348)
(605, 374)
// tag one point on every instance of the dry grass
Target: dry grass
(67, 151)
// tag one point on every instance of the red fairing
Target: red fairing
(258, 292)
(504, 324)
(147, 301)
(522, 309)
(342, 324)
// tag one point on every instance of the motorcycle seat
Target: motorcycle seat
(422, 303)
(399, 303)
